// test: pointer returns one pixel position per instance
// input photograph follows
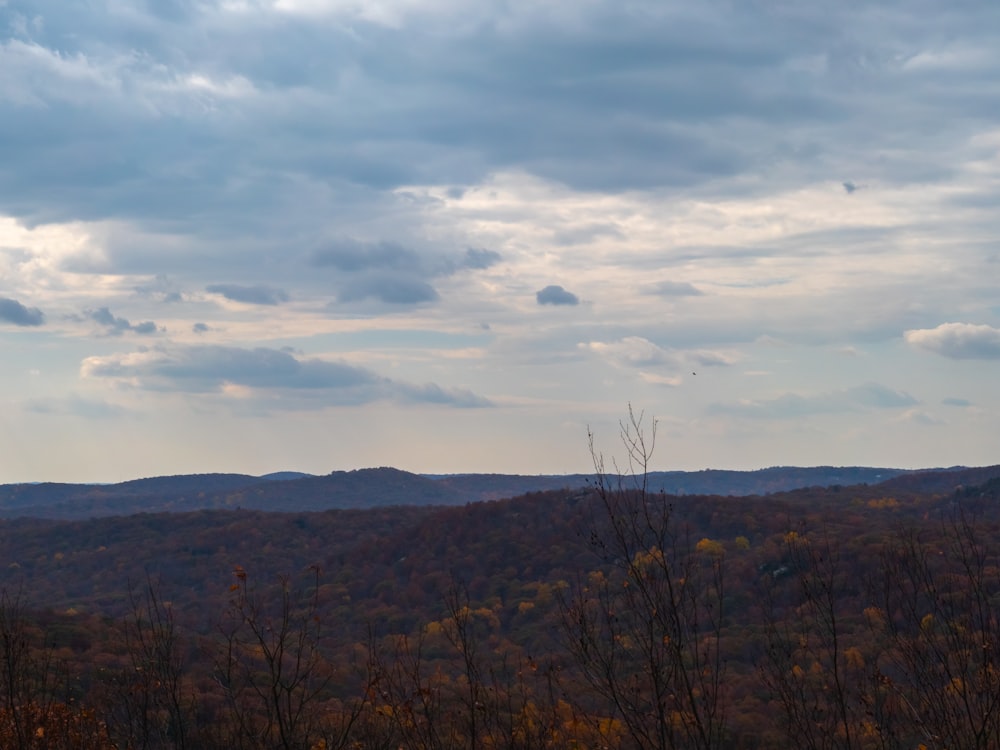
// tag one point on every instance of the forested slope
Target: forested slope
(813, 617)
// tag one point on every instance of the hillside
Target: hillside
(364, 488)
(510, 598)
(370, 488)
(85, 564)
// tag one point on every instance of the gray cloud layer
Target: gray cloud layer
(422, 99)
(211, 368)
(761, 183)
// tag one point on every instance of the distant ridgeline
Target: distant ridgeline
(383, 487)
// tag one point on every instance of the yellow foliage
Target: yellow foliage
(884, 503)
(710, 547)
(742, 542)
(854, 658)
(643, 560)
(874, 616)
(793, 537)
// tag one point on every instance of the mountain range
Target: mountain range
(384, 487)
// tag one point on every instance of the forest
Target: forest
(609, 616)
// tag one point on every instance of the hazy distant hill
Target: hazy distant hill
(362, 488)
(51, 493)
(382, 487)
(705, 482)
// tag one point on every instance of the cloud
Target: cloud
(957, 340)
(206, 368)
(431, 393)
(951, 401)
(115, 326)
(161, 289)
(674, 289)
(391, 273)
(586, 233)
(265, 373)
(146, 328)
(351, 255)
(392, 290)
(709, 358)
(14, 312)
(919, 417)
(696, 165)
(793, 405)
(75, 405)
(634, 351)
(480, 259)
(250, 295)
(668, 381)
(556, 295)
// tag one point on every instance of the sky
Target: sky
(455, 235)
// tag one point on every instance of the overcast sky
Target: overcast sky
(450, 235)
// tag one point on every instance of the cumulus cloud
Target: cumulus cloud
(14, 312)
(792, 405)
(267, 372)
(250, 295)
(556, 295)
(957, 340)
(116, 326)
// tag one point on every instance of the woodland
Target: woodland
(610, 615)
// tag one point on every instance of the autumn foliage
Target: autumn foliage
(852, 617)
